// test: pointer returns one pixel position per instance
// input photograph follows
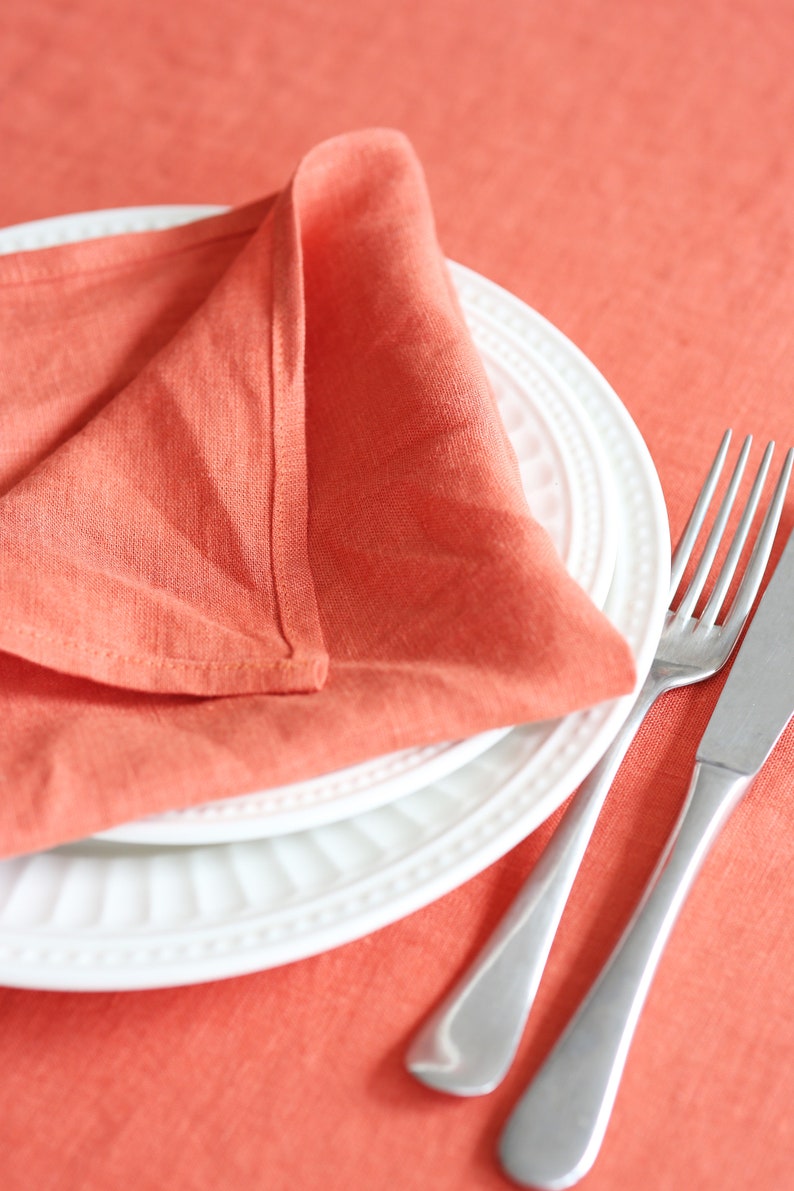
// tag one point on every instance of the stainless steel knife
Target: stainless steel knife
(556, 1130)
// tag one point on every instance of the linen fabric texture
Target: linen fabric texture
(259, 517)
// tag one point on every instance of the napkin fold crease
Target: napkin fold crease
(164, 546)
(259, 517)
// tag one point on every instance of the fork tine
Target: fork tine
(692, 593)
(748, 588)
(696, 518)
(712, 608)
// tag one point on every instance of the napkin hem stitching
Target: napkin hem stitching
(31, 276)
(170, 663)
(296, 597)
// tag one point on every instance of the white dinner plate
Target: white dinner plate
(106, 915)
(567, 483)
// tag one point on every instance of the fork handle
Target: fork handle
(556, 1130)
(466, 1046)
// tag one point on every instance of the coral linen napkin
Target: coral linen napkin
(259, 518)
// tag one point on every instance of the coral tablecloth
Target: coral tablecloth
(625, 168)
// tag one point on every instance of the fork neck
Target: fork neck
(649, 692)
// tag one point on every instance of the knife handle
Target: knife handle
(556, 1129)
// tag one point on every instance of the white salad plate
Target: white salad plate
(109, 915)
(567, 483)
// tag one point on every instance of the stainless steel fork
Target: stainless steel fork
(466, 1047)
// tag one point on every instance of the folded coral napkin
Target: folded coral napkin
(259, 518)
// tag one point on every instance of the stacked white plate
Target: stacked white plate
(273, 876)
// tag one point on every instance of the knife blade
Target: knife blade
(757, 701)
